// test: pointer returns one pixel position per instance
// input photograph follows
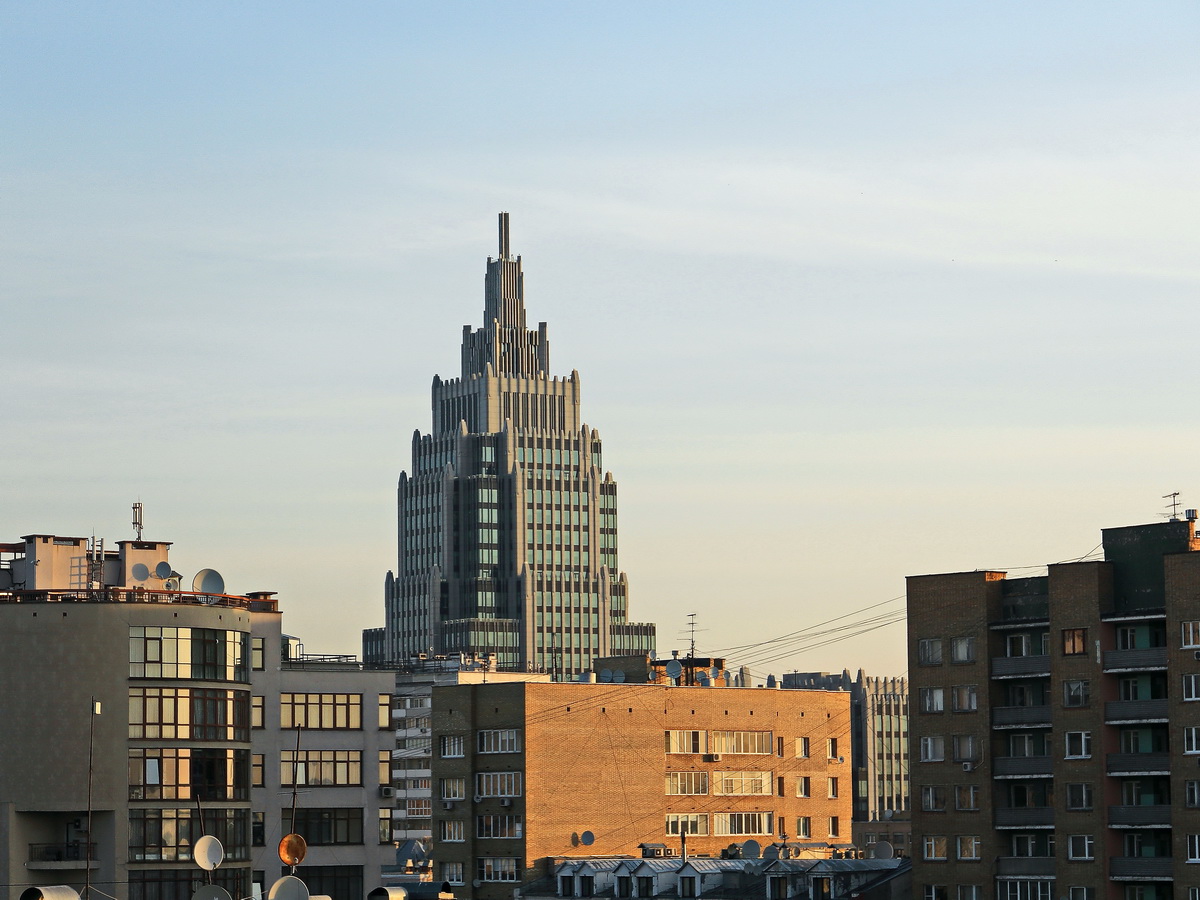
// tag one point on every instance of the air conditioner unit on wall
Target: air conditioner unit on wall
(447, 804)
(506, 802)
(386, 791)
(968, 767)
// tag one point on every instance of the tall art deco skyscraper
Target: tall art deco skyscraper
(508, 521)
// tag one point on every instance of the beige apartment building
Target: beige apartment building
(526, 774)
(1055, 726)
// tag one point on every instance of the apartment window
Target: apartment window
(168, 834)
(503, 740)
(320, 711)
(452, 745)
(1078, 892)
(1191, 633)
(383, 764)
(933, 700)
(1081, 846)
(451, 830)
(1079, 796)
(748, 823)
(197, 714)
(966, 748)
(1191, 739)
(687, 783)
(498, 868)
(833, 788)
(624, 886)
(687, 823)
(687, 886)
(962, 650)
(488, 827)
(208, 654)
(1076, 693)
(1193, 848)
(933, 798)
(804, 827)
(935, 892)
(934, 846)
(454, 788)
(966, 797)
(257, 770)
(1079, 744)
(1074, 641)
(933, 749)
(645, 886)
(970, 892)
(834, 826)
(929, 652)
(1019, 645)
(741, 783)
(831, 747)
(320, 768)
(741, 742)
(687, 741)
(323, 827)
(1191, 687)
(1025, 889)
(966, 698)
(803, 786)
(452, 872)
(802, 748)
(969, 846)
(1191, 794)
(258, 712)
(498, 784)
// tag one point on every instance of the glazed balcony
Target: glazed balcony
(1020, 666)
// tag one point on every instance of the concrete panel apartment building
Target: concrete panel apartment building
(1055, 726)
(528, 773)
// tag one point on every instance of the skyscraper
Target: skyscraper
(508, 522)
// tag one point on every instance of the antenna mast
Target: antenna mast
(1174, 498)
(137, 519)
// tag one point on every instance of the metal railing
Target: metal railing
(71, 851)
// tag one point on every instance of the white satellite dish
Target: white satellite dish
(289, 887)
(208, 581)
(674, 668)
(208, 853)
(211, 892)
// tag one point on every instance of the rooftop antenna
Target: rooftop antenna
(504, 235)
(137, 519)
(1174, 498)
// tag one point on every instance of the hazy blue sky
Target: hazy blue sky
(856, 291)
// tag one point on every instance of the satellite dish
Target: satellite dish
(289, 887)
(606, 675)
(772, 852)
(292, 850)
(171, 584)
(702, 678)
(618, 676)
(208, 854)
(587, 839)
(887, 813)
(674, 668)
(476, 883)
(208, 581)
(714, 673)
(140, 572)
(751, 850)
(770, 681)
(211, 892)
(884, 850)
(163, 569)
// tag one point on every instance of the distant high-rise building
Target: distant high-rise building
(508, 522)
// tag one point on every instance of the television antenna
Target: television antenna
(1174, 498)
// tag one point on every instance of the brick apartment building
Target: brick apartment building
(525, 774)
(1055, 726)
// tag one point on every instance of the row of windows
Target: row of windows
(739, 742)
(727, 823)
(185, 773)
(486, 827)
(197, 714)
(170, 834)
(965, 746)
(965, 698)
(492, 740)
(722, 783)
(206, 654)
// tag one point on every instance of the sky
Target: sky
(856, 291)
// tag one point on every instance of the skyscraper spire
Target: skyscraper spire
(504, 235)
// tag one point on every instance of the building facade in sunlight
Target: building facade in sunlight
(508, 521)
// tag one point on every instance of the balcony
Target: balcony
(71, 855)
(1141, 868)
(1157, 816)
(1120, 712)
(1025, 865)
(1020, 716)
(1149, 659)
(1022, 766)
(1025, 817)
(1139, 764)
(1018, 666)
(1026, 610)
